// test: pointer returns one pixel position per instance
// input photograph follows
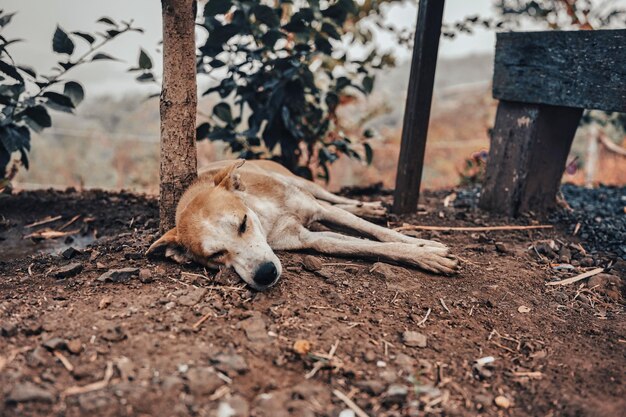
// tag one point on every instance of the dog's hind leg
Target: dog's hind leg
(335, 215)
(321, 193)
(435, 259)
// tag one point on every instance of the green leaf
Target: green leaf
(144, 60)
(369, 153)
(37, 114)
(145, 77)
(61, 43)
(222, 112)
(74, 91)
(101, 56)
(14, 138)
(215, 7)
(86, 36)
(10, 70)
(28, 70)
(59, 101)
(6, 19)
(202, 131)
(107, 21)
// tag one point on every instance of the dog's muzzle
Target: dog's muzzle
(266, 274)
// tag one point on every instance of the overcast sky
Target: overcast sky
(36, 22)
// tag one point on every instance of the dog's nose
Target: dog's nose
(266, 274)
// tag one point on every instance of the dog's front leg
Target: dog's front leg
(435, 259)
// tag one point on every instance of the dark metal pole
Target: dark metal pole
(417, 109)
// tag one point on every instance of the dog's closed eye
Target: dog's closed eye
(217, 255)
(244, 225)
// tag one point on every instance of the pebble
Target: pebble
(255, 329)
(383, 270)
(105, 302)
(483, 401)
(145, 276)
(371, 387)
(502, 402)
(203, 381)
(55, 343)
(70, 252)
(565, 255)
(8, 329)
(192, 297)
(502, 247)
(230, 364)
(119, 275)
(113, 333)
(235, 406)
(68, 270)
(396, 394)
(587, 261)
(369, 356)
(414, 339)
(311, 263)
(27, 391)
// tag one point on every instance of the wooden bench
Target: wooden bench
(544, 81)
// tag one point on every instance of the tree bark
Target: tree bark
(178, 107)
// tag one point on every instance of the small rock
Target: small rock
(105, 302)
(113, 334)
(414, 339)
(119, 275)
(405, 362)
(94, 255)
(70, 252)
(502, 247)
(235, 406)
(602, 281)
(75, 346)
(126, 368)
(255, 329)
(192, 297)
(347, 413)
(230, 364)
(565, 255)
(311, 263)
(369, 356)
(483, 401)
(396, 394)
(68, 270)
(203, 381)
(31, 328)
(502, 402)
(587, 261)
(8, 329)
(302, 346)
(28, 391)
(383, 270)
(371, 387)
(523, 309)
(55, 343)
(145, 276)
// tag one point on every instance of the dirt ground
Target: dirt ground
(79, 337)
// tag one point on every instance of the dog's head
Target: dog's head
(215, 228)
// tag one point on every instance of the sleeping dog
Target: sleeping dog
(238, 214)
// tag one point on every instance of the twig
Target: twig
(471, 229)
(202, 320)
(444, 305)
(73, 219)
(577, 277)
(422, 321)
(43, 221)
(351, 404)
(50, 234)
(339, 264)
(94, 386)
(68, 365)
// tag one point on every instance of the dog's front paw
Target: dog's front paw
(439, 261)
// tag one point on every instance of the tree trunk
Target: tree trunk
(178, 106)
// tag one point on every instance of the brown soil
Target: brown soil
(564, 357)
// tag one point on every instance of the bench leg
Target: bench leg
(527, 157)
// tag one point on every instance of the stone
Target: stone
(405, 362)
(311, 263)
(235, 406)
(68, 270)
(502, 402)
(502, 247)
(8, 329)
(203, 381)
(565, 255)
(602, 281)
(75, 346)
(383, 270)
(105, 302)
(27, 391)
(113, 333)
(230, 364)
(414, 339)
(369, 356)
(587, 261)
(55, 343)
(371, 387)
(396, 394)
(119, 275)
(70, 252)
(255, 329)
(145, 276)
(192, 297)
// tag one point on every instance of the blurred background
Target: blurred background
(112, 140)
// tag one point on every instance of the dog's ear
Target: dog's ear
(169, 246)
(229, 178)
